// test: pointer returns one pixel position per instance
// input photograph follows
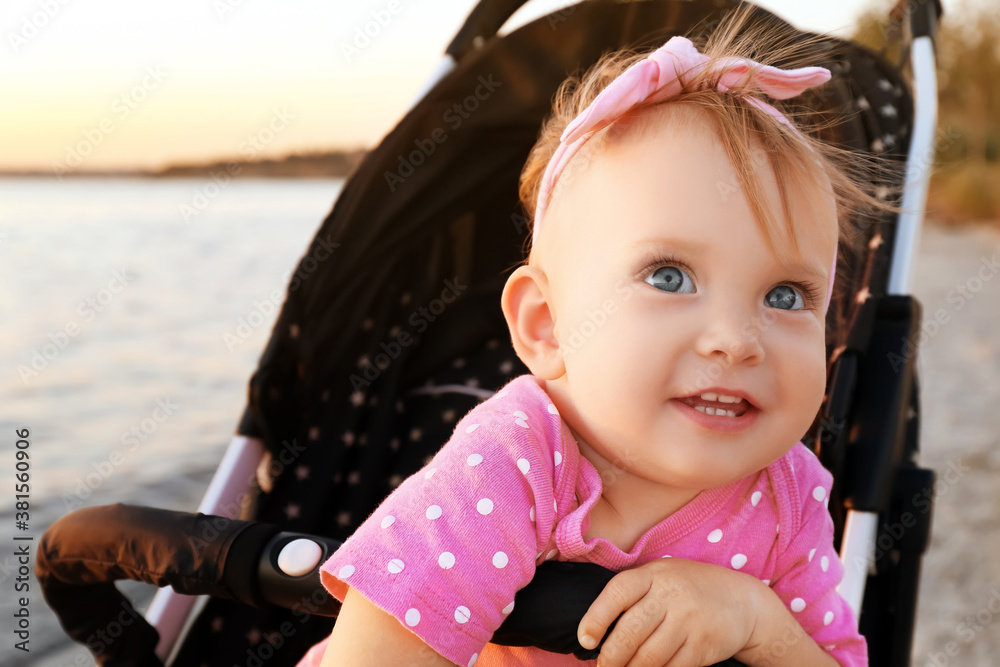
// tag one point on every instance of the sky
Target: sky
(118, 84)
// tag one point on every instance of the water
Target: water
(114, 312)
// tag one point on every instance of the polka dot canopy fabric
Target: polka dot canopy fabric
(449, 548)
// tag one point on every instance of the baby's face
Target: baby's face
(640, 338)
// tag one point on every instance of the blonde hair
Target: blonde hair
(794, 156)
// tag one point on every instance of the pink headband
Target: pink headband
(658, 78)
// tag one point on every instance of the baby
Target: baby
(672, 314)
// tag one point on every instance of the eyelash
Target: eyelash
(656, 260)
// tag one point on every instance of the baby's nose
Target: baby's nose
(730, 335)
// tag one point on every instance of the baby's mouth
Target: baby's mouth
(712, 403)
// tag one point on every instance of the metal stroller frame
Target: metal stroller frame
(872, 387)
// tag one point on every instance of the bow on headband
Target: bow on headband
(659, 78)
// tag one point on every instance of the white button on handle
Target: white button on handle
(299, 557)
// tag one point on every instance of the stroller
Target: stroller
(351, 395)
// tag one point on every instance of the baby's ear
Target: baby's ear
(529, 317)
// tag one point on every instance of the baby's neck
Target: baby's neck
(629, 506)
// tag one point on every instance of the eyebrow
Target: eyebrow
(697, 247)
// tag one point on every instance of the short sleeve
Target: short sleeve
(446, 552)
(809, 571)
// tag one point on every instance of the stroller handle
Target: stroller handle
(199, 554)
(82, 554)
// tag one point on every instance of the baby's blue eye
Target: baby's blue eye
(671, 279)
(785, 298)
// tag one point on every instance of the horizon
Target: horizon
(206, 82)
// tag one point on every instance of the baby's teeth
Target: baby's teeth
(715, 411)
(722, 398)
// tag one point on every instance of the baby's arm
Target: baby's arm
(439, 562)
(365, 635)
(801, 613)
(680, 612)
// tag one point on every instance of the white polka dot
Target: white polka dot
(798, 604)
(824, 563)
(509, 608)
(484, 506)
(462, 614)
(388, 521)
(474, 459)
(412, 617)
(812, 553)
(520, 414)
(531, 513)
(828, 618)
(446, 560)
(819, 493)
(523, 465)
(738, 561)
(555, 506)
(500, 560)
(345, 572)
(472, 660)
(558, 458)
(777, 527)
(433, 512)
(430, 473)
(552, 554)
(552, 409)
(522, 423)
(767, 582)
(471, 427)
(395, 566)
(755, 498)
(715, 535)
(666, 556)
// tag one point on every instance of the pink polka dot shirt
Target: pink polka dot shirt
(448, 549)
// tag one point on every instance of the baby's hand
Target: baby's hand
(677, 613)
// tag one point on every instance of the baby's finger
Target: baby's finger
(623, 591)
(628, 640)
(664, 646)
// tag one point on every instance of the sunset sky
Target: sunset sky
(136, 84)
